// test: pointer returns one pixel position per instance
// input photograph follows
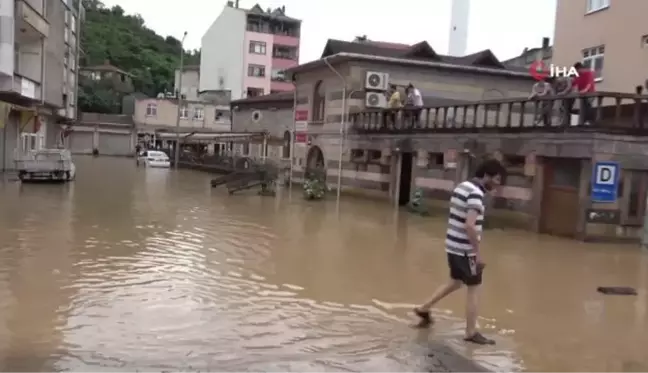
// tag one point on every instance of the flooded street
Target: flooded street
(130, 269)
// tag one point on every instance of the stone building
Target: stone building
(474, 108)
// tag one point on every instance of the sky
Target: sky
(504, 26)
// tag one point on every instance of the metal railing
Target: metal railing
(595, 112)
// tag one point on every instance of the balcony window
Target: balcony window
(254, 92)
(257, 47)
(199, 113)
(594, 58)
(151, 109)
(278, 75)
(284, 52)
(256, 70)
(184, 112)
(286, 29)
(596, 5)
(73, 25)
(66, 36)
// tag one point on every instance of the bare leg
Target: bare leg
(423, 312)
(472, 303)
(442, 292)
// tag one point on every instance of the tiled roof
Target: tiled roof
(418, 51)
(273, 97)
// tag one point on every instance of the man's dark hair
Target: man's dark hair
(410, 85)
(578, 65)
(639, 90)
(490, 167)
(393, 86)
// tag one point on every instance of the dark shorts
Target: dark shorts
(464, 268)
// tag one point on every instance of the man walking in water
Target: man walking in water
(462, 246)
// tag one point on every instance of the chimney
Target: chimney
(545, 43)
(236, 5)
(230, 4)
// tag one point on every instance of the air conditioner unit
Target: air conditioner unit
(376, 81)
(375, 100)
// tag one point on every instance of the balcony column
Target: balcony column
(420, 164)
(7, 22)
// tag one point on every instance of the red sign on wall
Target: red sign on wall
(301, 115)
(301, 137)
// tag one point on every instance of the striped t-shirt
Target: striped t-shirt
(466, 196)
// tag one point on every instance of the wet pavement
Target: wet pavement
(134, 269)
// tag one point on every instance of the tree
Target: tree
(109, 34)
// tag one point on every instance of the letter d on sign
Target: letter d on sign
(605, 174)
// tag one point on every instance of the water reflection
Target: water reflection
(153, 270)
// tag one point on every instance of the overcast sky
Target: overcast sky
(504, 26)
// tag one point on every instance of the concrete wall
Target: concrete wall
(190, 83)
(167, 113)
(222, 53)
(276, 122)
(55, 49)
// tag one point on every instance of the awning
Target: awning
(198, 136)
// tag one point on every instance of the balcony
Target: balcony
(614, 113)
(30, 23)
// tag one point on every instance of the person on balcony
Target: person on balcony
(394, 104)
(544, 109)
(584, 83)
(414, 104)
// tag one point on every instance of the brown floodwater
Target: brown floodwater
(131, 268)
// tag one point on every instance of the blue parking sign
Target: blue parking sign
(605, 182)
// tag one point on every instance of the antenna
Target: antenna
(458, 38)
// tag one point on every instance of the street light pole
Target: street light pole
(179, 99)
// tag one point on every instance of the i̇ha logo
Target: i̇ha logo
(541, 71)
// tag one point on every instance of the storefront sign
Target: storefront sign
(301, 126)
(450, 159)
(301, 138)
(301, 115)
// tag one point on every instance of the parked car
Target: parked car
(46, 165)
(154, 158)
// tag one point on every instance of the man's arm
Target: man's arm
(471, 231)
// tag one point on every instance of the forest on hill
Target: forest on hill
(109, 34)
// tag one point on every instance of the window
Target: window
(151, 109)
(644, 41)
(257, 47)
(66, 37)
(278, 75)
(319, 100)
(219, 115)
(284, 52)
(593, 58)
(184, 112)
(73, 25)
(254, 92)
(199, 113)
(595, 5)
(256, 70)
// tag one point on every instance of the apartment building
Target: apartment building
(245, 51)
(39, 55)
(610, 36)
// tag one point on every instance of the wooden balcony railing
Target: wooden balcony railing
(595, 112)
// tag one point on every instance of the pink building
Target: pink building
(268, 43)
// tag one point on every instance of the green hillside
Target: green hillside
(124, 40)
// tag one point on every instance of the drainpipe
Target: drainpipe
(293, 133)
(342, 125)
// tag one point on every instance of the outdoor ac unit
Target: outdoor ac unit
(375, 100)
(376, 81)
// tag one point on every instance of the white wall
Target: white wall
(223, 47)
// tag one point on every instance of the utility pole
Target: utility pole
(176, 148)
